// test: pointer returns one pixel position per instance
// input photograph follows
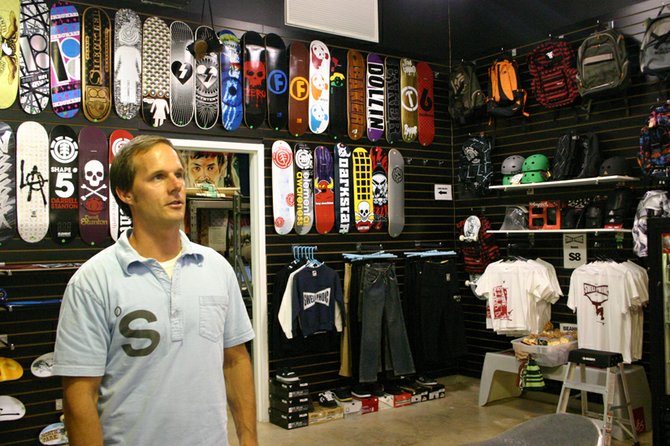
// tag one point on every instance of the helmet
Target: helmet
(512, 165)
(534, 177)
(507, 180)
(615, 165)
(536, 163)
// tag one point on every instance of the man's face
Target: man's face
(204, 170)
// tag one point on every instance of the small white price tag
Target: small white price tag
(443, 192)
(574, 250)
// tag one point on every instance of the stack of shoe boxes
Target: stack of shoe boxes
(289, 404)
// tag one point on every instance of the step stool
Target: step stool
(603, 360)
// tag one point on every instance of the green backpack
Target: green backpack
(465, 93)
(602, 63)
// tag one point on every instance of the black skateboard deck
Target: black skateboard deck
(7, 183)
(255, 93)
(355, 94)
(65, 60)
(337, 127)
(304, 187)
(32, 194)
(96, 64)
(182, 75)
(63, 184)
(34, 84)
(379, 161)
(127, 63)
(155, 71)
(324, 195)
(393, 130)
(207, 83)
(277, 81)
(298, 104)
(231, 81)
(344, 204)
(93, 186)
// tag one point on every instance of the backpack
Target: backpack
(576, 156)
(553, 82)
(655, 46)
(506, 97)
(465, 93)
(602, 63)
(475, 170)
(654, 155)
(478, 255)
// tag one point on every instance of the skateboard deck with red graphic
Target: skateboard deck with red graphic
(409, 100)
(375, 94)
(277, 81)
(118, 220)
(182, 75)
(231, 81)
(396, 193)
(319, 81)
(379, 161)
(361, 168)
(32, 195)
(97, 64)
(255, 92)
(11, 409)
(392, 68)
(304, 195)
(7, 183)
(34, 62)
(355, 94)
(424, 75)
(324, 193)
(337, 127)
(283, 191)
(9, 56)
(155, 72)
(343, 202)
(127, 63)
(93, 186)
(298, 103)
(63, 184)
(207, 83)
(65, 59)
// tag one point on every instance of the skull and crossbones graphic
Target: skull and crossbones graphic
(94, 175)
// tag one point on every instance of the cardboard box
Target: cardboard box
(293, 390)
(369, 405)
(289, 421)
(352, 407)
(421, 394)
(437, 391)
(323, 414)
(403, 399)
(290, 405)
(386, 402)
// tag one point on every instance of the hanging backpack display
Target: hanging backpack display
(602, 63)
(506, 97)
(655, 46)
(654, 155)
(465, 93)
(475, 170)
(576, 156)
(551, 64)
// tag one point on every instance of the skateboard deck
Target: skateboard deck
(362, 187)
(118, 220)
(277, 82)
(324, 194)
(375, 93)
(207, 83)
(319, 96)
(255, 94)
(93, 189)
(337, 126)
(63, 184)
(298, 103)
(379, 161)
(343, 201)
(34, 64)
(9, 56)
(11, 409)
(182, 79)
(10, 370)
(54, 434)
(304, 203)
(426, 124)
(127, 63)
(231, 81)
(396, 193)
(32, 197)
(392, 68)
(42, 367)
(7, 183)
(409, 100)
(283, 191)
(97, 64)
(355, 94)
(65, 60)
(155, 71)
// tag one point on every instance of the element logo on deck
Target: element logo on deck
(282, 157)
(63, 149)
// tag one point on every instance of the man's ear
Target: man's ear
(125, 196)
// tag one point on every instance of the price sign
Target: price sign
(574, 250)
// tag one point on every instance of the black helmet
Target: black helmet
(615, 165)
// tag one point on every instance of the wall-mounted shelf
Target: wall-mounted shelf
(558, 231)
(567, 183)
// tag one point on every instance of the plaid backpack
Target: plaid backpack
(654, 155)
(551, 64)
(506, 97)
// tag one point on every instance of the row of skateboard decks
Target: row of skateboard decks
(337, 189)
(93, 61)
(56, 184)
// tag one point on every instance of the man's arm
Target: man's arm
(239, 378)
(80, 405)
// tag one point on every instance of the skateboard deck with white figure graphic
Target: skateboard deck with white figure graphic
(362, 189)
(182, 75)
(396, 193)
(426, 112)
(303, 159)
(254, 76)
(298, 102)
(392, 103)
(96, 64)
(93, 185)
(409, 100)
(231, 81)
(63, 184)
(344, 204)
(324, 193)
(376, 95)
(283, 191)
(355, 94)
(155, 72)
(65, 54)
(277, 81)
(127, 63)
(9, 54)
(207, 83)
(34, 61)
(337, 125)
(319, 83)
(32, 177)
(7, 183)
(118, 220)
(379, 160)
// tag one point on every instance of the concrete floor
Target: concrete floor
(454, 420)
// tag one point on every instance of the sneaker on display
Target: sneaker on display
(342, 393)
(361, 391)
(378, 389)
(327, 399)
(287, 376)
(392, 389)
(424, 380)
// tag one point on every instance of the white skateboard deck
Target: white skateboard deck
(42, 367)
(283, 192)
(319, 82)
(54, 434)
(11, 409)
(32, 194)
(118, 221)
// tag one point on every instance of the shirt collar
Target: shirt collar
(130, 259)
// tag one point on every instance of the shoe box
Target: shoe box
(290, 405)
(322, 414)
(369, 404)
(389, 401)
(437, 391)
(289, 390)
(289, 420)
(350, 408)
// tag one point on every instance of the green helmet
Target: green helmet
(534, 177)
(507, 180)
(535, 163)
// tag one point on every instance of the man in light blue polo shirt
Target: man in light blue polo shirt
(152, 330)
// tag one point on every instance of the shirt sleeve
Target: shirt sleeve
(237, 328)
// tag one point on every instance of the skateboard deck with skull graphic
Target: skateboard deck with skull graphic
(97, 64)
(93, 185)
(65, 55)
(396, 193)
(319, 81)
(355, 94)
(343, 201)
(392, 69)
(324, 190)
(127, 63)
(182, 79)
(409, 100)
(255, 93)
(231, 81)
(32, 195)
(380, 198)
(155, 72)
(118, 220)
(283, 192)
(298, 103)
(277, 81)
(7, 183)
(9, 53)
(34, 63)
(426, 112)
(63, 184)
(337, 126)
(362, 187)
(376, 94)
(206, 83)
(303, 160)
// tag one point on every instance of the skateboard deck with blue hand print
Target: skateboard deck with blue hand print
(231, 81)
